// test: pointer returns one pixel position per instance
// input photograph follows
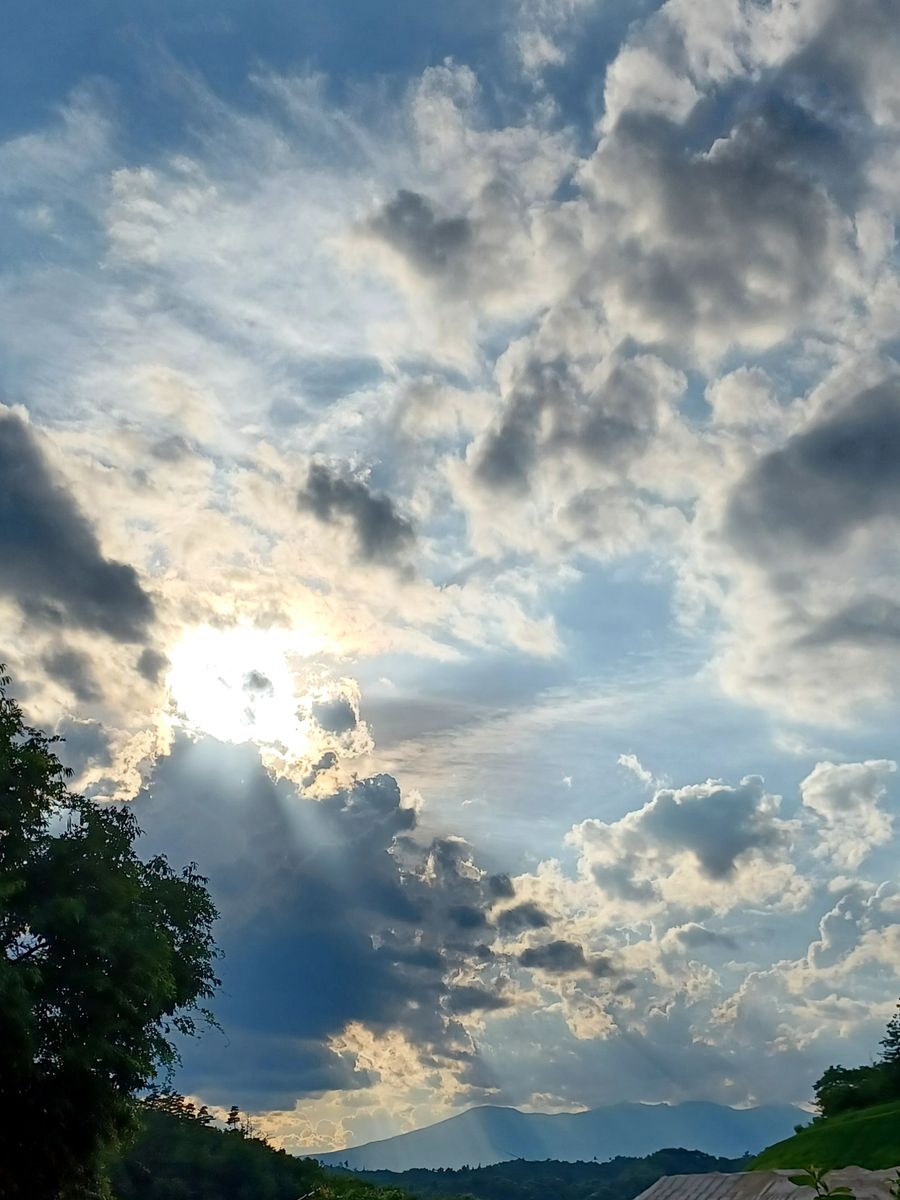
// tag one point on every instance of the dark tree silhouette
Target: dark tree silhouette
(103, 958)
(890, 1043)
(840, 1089)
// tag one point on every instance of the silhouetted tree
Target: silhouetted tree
(890, 1043)
(233, 1120)
(840, 1089)
(103, 957)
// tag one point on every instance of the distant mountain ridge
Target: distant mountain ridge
(490, 1134)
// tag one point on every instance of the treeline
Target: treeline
(179, 1155)
(843, 1089)
(619, 1179)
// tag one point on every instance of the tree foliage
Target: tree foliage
(890, 1043)
(842, 1089)
(176, 1157)
(519, 1179)
(104, 958)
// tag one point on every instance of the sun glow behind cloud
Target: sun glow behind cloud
(240, 684)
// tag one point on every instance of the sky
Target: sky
(449, 485)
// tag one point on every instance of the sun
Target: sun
(239, 684)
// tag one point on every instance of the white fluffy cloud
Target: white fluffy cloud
(847, 799)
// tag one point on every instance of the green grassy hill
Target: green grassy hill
(868, 1137)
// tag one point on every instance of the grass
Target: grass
(869, 1137)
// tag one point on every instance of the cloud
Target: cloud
(73, 670)
(551, 411)
(812, 597)
(632, 763)
(83, 743)
(841, 473)
(152, 664)
(560, 957)
(870, 620)
(695, 937)
(338, 905)
(382, 535)
(51, 562)
(526, 915)
(469, 999)
(738, 244)
(433, 244)
(501, 886)
(710, 844)
(336, 715)
(571, 462)
(846, 798)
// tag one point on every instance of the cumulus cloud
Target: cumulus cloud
(705, 844)
(738, 244)
(382, 535)
(526, 915)
(434, 244)
(570, 459)
(810, 495)
(74, 671)
(337, 715)
(339, 890)
(846, 798)
(51, 562)
(812, 595)
(561, 957)
(608, 421)
(470, 998)
(696, 937)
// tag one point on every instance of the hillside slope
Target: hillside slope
(620, 1179)
(490, 1134)
(869, 1137)
(177, 1159)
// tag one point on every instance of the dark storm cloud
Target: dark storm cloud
(331, 912)
(561, 957)
(382, 534)
(432, 244)
(527, 915)
(335, 716)
(72, 669)
(50, 559)
(825, 482)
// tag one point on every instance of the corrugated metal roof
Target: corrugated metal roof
(768, 1185)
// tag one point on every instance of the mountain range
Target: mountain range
(490, 1134)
